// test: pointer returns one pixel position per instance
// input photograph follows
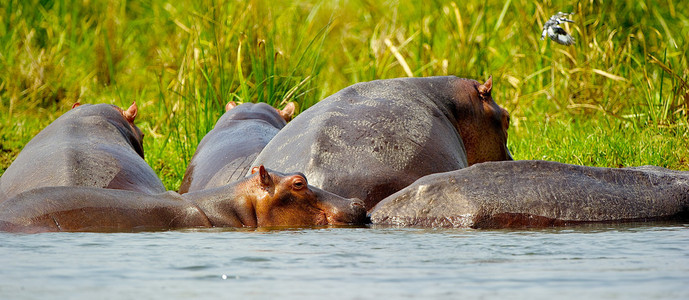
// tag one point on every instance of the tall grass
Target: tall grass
(618, 97)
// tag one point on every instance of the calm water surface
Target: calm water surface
(639, 261)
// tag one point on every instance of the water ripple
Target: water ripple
(648, 261)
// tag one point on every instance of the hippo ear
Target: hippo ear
(131, 112)
(287, 112)
(230, 105)
(484, 89)
(75, 105)
(254, 170)
(264, 177)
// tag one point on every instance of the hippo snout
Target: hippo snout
(352, 213)
(339, 210)
(345, 211)
(358, 208)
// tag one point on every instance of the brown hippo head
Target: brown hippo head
(483, 124)
(288, 200)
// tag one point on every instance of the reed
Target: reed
(618, 97)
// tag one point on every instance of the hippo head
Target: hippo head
(261, 111)
(123, 120)
(483, 125)
(288, 200)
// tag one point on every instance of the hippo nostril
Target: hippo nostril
(357, 202)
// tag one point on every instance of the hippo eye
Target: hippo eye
(298, 184)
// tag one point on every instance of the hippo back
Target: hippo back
(91, 145)
(61, 208)
(225, 154)
(265, 199)
(372, 139)
(537, 194)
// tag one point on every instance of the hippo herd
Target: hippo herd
(423, 152)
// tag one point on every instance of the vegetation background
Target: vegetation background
(618, 97)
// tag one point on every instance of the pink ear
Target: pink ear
(484, 89)
(75, 105)
(254, 170)
(230, 105)
(288, 112)
(263, 175)
(131, 112)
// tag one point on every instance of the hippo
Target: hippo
(372, 139)
(265, 199)
(225, 154)
(90, 145)
(519, 194)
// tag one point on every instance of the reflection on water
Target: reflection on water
(602, 262)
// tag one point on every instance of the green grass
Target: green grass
(618, 97)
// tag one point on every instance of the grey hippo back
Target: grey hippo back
(537, 194)
(90, 145)
(374, 138)
(225, 154)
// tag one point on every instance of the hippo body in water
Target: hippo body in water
(225, 154)
(263, 199)
(537, 194)
(90, 145)
(372, 139)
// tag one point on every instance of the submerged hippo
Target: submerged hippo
(263, 199)
(374, 138)
(225, 154)
(90, 145)
(537, 194)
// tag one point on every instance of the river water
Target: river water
(632, 261)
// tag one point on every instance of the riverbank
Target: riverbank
(617, 97)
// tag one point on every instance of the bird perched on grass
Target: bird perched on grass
(555, 32)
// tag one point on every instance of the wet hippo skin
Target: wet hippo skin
(90, 145)
(536, 194)
(225, 154)
(372, 139)
(263, 199)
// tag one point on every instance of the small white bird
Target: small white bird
(555, 32)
